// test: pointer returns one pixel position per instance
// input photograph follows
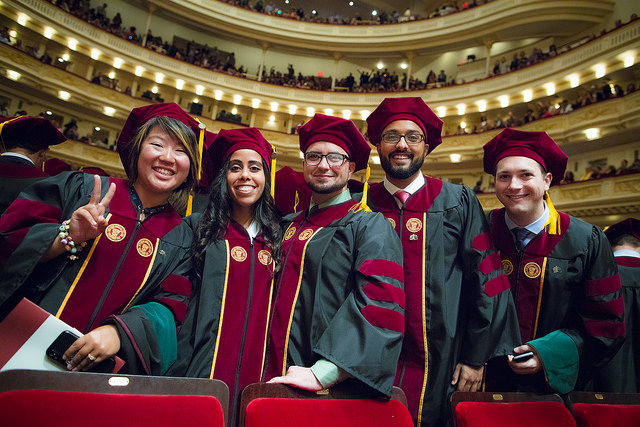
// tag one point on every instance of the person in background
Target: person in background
(562, 273)
(24, 142)
(237, 238)
(622, 373)
(456, 313)
(338, 311)
(103, 254)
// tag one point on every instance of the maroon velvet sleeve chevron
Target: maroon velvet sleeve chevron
(17, 219)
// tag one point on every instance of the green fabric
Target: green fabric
(328, 373)
(340, 198)
(560, 359)
(164, 327)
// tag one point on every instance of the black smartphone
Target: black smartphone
(521, 357)
(57, 349)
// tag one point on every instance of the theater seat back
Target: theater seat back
(267, 412)
(598, 415)
(516, 414)
(66, 408)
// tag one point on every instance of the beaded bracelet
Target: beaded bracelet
(68, 242)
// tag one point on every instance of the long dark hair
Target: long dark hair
(217, 216)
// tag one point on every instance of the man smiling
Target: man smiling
(456, 313)
(562, 272)
(339, 306)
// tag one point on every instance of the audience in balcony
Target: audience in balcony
(214, 60)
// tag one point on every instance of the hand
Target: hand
(530, 366)
(300, 377)
(467, 377)
(88, 221)
(101, 343)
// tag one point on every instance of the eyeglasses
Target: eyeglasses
(412, 138)
(334, 159)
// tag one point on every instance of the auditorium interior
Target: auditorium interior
(344, 62)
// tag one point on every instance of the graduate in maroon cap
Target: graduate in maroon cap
(24, 143)
(102, 253)
(237, 238)
(339, 305)
(561, 270)
(456, 313)
(622, 373)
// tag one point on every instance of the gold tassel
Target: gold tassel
(273, 172)
(554, 219)
(362, 206)
(296, 200)
(202, 127)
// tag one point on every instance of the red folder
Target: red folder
(26, 333)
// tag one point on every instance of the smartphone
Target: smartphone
(521, 357)
(57, 349)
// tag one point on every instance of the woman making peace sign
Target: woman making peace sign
(103, 254)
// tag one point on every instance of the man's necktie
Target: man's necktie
(520, 234)
(402, 195)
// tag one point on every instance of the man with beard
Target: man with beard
(338, 310)
(457, 315)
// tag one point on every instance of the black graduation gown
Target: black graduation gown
(130, 276)
(15, 175)
(622, 373)
(339, 295)
(224, 335)
(568, 298)
(457, 310)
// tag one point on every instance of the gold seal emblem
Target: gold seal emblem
(507, 266)
(290, 232)
(305, 234)
(532, 270)
(264, 256)
(393, 223)
(238, 253)
(144, 247)
(115, 232)
(414, 225)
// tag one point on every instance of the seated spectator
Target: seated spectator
(588, 173)
(568, 178)
(623, 168)
(610, 170)
(442, 77)
(71, 130)
(635, 166)
(4, 35)
(484, 123)
(529, 116)
(565, 107)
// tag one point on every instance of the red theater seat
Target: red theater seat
(509, 410)
(30, 398)
(271, 405)
(605, 409)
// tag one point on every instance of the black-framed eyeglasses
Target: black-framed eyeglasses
(411, 138)
(335, 160)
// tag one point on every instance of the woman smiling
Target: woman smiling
(103, 254)
(236, 242)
